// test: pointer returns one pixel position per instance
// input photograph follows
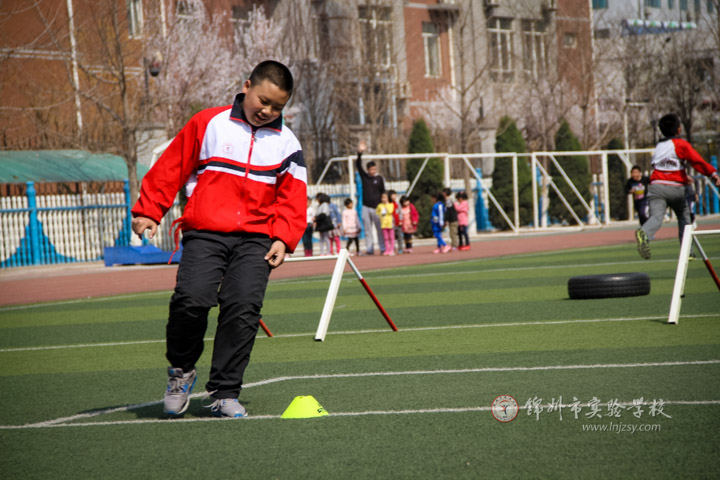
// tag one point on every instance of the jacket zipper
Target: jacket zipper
(247, 169)
(252, 143)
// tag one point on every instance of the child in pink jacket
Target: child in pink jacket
(462, 207)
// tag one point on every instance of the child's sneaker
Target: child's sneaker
(227, 407)
(408, 250)
(437, 250)
(643, 244)
(177, 395)
(445, 249)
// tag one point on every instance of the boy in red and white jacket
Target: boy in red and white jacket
(246, 183)
(668, 180)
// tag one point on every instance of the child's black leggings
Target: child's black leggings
(350, 242)
(462, 233)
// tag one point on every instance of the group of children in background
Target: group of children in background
(398, 223)
(454, 215)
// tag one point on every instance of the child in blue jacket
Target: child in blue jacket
(437, 221)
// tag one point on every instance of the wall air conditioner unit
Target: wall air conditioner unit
(404, 90)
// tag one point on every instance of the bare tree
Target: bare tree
(458, 108)
(195, 61)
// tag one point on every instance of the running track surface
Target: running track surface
(26, 285)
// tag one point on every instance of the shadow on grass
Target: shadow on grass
(198, 408)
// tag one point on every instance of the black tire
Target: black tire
(609, 285)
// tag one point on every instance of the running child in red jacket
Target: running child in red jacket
(245, 178)
(668, 180)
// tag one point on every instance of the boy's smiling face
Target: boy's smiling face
(263, 102)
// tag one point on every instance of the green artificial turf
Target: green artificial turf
(81, 382)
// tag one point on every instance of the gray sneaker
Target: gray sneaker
(227, 407)
(643, 244)
(177, 395)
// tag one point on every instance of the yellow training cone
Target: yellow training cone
(304, 407)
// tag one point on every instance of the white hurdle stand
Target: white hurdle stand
(342, 258)
(689, 236)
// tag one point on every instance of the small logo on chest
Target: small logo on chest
(227, 148)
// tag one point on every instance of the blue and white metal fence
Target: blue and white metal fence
(51, 229)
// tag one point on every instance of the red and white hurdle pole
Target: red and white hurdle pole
(705, 258)
(265, 328)
(372, 295)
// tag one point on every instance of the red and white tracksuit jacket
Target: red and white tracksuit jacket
(669, 159)
(238, 178)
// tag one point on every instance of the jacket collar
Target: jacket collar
(238, 113)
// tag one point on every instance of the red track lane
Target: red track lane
(87, 280)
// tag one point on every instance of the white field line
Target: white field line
(359, 332)
(425, 411)
(63, 421)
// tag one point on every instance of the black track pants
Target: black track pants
(228, 269)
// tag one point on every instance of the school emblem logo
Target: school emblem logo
(227, 148)
(504, 408)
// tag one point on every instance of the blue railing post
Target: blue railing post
(482, 217)
(715, 200)
(127, 224)
(34, 230)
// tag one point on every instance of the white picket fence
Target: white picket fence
(71, 228)
(77, 227)
(13, 227)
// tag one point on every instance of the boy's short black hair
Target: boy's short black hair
(404, 198)
(348, 201)
(669, 125)
(371, 164)
(636, 167)
(274, 71)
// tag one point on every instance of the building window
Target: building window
(697, 9)
(710, 6)
(187, 9)
(534, 51)
(239, 15)
(683, 4)
(135, 18)
(599, 4)
(501, 49)
(376, 28)
(671, 4)
(602, 33)
(431, 45)
(569, 40)
(652, 3)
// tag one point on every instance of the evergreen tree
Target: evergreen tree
(510, 139)
(617, 177)
(577, 169)
(431, 179)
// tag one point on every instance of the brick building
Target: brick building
(461, 63)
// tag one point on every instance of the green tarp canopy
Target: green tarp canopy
(51, 166)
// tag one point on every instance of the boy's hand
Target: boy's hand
(276, 255)
(140, 224)
(362, 146)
